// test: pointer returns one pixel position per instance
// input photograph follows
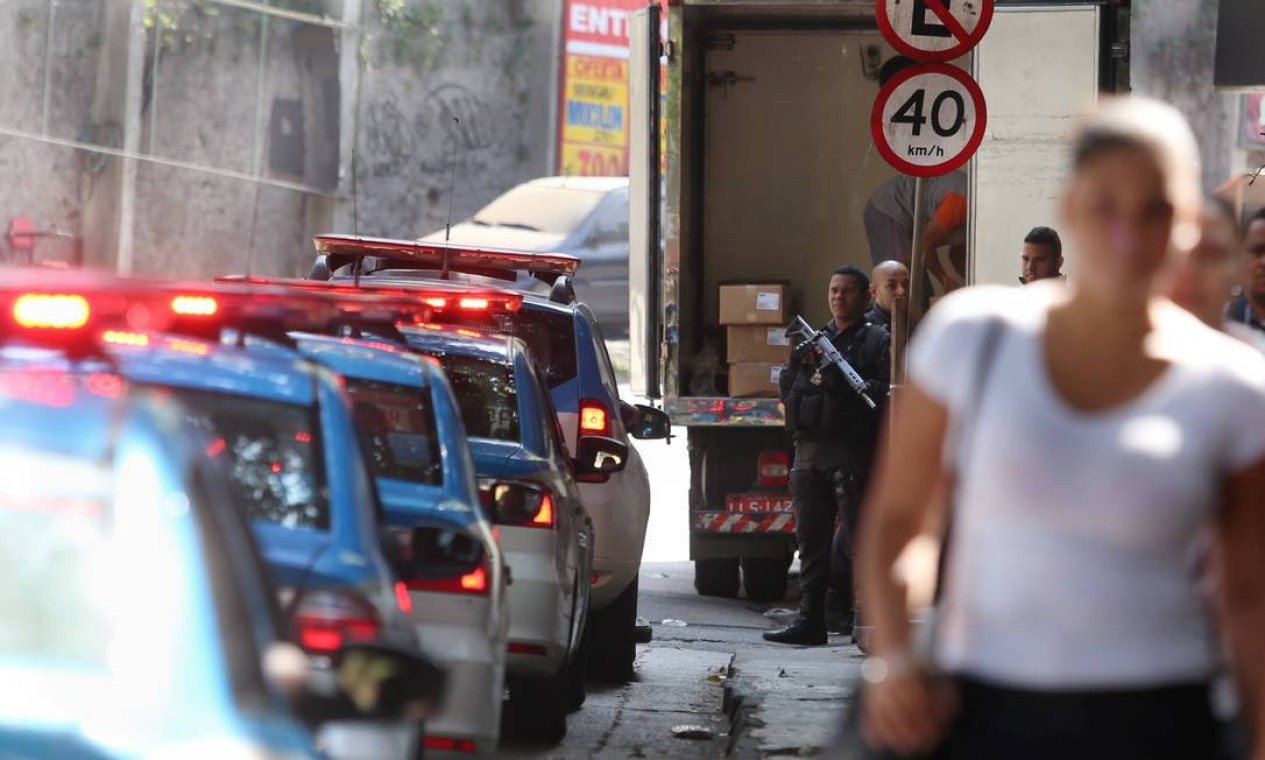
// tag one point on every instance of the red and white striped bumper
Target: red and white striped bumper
(726, 522)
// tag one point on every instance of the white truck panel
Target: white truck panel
(1020, 170)
(789, 164)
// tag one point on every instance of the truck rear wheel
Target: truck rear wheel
(716, 577)
(764, 578)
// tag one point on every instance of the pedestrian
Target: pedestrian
(1094, 433)
(1248, 307)
(1042, 255)
(1205, 275)
(889, 215)
(835, 435)
(889, 282)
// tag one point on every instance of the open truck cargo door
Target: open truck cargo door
(645, 260)
(1021, 168)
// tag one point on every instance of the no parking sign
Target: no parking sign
(929, 120)
(934, 30)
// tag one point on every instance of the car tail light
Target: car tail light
(402, 599)
(775, 469)
(449, 744)
(473, 583)
(544, 516)
(51, 311)
(518, 647)
(326, 620)
(595, 418)
(194, 306)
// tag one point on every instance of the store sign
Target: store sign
(593, 110)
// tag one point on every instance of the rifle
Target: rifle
(829, 355)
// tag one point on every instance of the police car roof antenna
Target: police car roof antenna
(452, 185)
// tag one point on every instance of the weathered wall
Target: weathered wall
(200, 107)
(46, 183)
(207, 97)
(1172, 43)
(491, 65)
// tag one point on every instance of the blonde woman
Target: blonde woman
(1102, 433)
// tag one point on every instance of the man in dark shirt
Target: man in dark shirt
(835, 436)
(1248, 308)
(891, 281)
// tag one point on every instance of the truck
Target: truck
(751, 161)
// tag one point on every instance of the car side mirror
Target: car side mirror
(645, 422)
(515, 503)
(599, 455)
(371, 682)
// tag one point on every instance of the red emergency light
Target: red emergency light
(341, 250)
(438, 296)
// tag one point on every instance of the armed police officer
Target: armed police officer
(835, 435)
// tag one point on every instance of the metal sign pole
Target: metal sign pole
(918, 256)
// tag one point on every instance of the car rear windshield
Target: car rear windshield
(487, 396)
(549, 334)
(539, 208)
(396, 424)
(273, 455)
(56, 541)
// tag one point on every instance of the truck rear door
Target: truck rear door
(1038, 66)
(645, 264)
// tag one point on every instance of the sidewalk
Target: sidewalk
(792, 699)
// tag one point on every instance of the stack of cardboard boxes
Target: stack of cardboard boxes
(755, 318)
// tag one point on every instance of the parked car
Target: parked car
(528, 479)
(141, 616)
(409, 424)
(567, 343)
(585, 217)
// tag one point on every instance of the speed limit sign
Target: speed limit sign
(929, 120)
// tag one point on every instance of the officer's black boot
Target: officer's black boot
(805, 631)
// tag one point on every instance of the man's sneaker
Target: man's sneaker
(801, 632)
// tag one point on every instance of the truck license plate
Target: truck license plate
(758, 503)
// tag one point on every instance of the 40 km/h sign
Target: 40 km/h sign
(934, 30)
(929, 120)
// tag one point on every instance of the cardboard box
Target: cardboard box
(758, 343)
(754, 304)
(754, 379)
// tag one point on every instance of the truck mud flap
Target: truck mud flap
(728, 522)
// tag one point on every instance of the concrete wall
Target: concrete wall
(1173, 43)
(493, 67)
(491, 63)
(48, 184)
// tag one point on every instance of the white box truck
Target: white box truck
(754, 164)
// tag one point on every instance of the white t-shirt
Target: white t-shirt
(1075, 532)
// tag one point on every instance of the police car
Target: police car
(141, 621)
(450, 561)
(567, 343)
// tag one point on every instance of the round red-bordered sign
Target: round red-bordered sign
(908, 30)
(929, 119)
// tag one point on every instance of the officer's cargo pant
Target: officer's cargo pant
(826, 554)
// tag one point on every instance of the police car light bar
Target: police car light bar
(438, 296)
(265, 307)
(342, 250)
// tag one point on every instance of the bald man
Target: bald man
(889, 282)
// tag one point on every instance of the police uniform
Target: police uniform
(835, 437)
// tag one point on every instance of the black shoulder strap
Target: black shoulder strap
(969, 418)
